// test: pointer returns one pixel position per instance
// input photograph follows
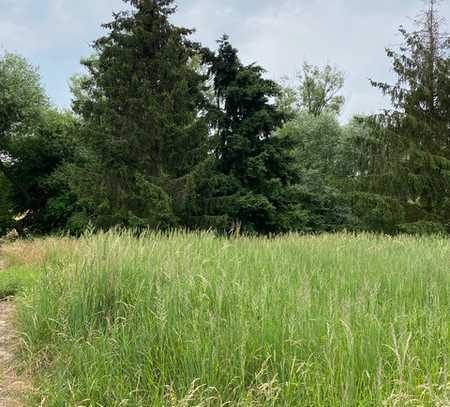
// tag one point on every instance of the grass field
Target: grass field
(195, 320)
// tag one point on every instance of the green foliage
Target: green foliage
(21, 98)
(6, 214)
(21, 103)
(193, 319)
(376, 213)
(168, 134)
(40, 157)
(143, 130)
(411, 161)
(318, 139)
(34, 142)
(16, 280)
(131, 201)
(317, 154)
(252, 173)
(423, 228)
(317, 91)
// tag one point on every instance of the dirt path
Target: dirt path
(11, 387)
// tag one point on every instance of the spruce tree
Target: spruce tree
(143, 132)
(250, 179)
(407, 156)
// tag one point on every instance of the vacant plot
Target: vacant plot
(196, 320)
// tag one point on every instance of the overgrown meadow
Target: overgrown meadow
(196, 320)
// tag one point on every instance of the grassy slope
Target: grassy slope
(196, 320)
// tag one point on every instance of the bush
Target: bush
(423, 228)
(376, 213)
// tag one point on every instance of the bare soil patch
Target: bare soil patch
(11, 386)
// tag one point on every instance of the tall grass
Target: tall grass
(195, 320)
(20, 261)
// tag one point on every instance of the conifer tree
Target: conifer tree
(250, 180)
(408, 158)
(141, 103)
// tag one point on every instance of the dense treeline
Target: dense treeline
(166, 133)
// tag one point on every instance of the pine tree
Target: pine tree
(141, 103)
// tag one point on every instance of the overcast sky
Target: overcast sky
(278, 34)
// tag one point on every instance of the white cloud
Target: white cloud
(281, 35)
(278, 34)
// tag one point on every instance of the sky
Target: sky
(278, 34)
